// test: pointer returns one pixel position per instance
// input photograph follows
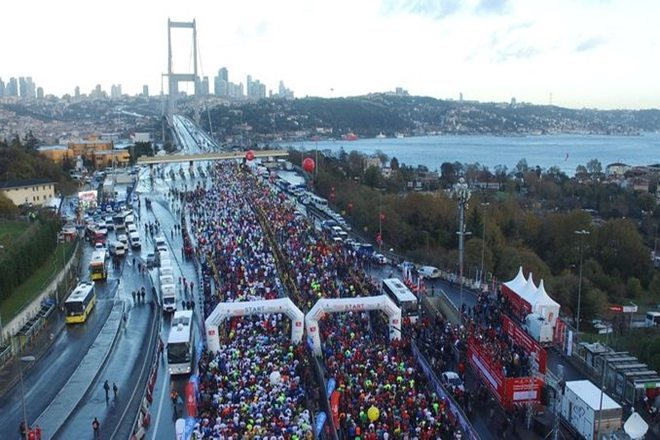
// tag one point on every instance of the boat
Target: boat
(350, 137)
(380, 136)
(399, 135)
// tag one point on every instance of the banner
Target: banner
(320, 421)
(334, 407)
(191, 399)
(332, 383)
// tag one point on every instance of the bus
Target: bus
(652, 319)
(180, 343)
(98, 269)
(80, 303)
(402, 297)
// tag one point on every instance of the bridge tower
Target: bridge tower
(175, 78)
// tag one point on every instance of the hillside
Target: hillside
(370, 115)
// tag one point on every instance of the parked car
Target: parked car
(451, 380)
(380, 258)
(151, 260)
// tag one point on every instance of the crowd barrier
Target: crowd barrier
(468, 430)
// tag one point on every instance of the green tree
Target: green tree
(594, 167)
(372, 177)
(7, 207)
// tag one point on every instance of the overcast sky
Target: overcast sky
(586, 53)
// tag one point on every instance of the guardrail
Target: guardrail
(454, 408)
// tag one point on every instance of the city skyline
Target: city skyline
(589, 53)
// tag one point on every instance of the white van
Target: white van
(429, 272)
(160, 241)
(117, 248)
(134, 239)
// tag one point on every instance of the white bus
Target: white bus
(180, 343)
(402, 297)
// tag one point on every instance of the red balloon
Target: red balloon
(249, 155)
(308, 164)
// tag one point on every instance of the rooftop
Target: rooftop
(18, 183)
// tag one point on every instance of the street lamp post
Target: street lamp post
(461, 192)
(483, 245)
(581, 233)
(20, 374)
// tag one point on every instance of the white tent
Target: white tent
(516, 284)
(545, 306)
(529, 291)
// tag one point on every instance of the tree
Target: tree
(373, 177)
(7, 207)
(448, 174)
(594, 167)
(521, 167)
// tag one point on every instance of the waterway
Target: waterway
(563, 151)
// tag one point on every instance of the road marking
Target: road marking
(160, 404)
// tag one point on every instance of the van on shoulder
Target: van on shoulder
(430, 272)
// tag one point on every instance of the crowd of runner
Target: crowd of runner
(256, 385)
(234, 222)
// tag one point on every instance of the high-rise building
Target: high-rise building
(12, 87)
(221, 83)
(255, 90)
(202, 86)
(22, 87)
(145, 91)
(40, 93)
(76, 92)
(97, 93)
(284, 92)
(115, 91)
(2, 88)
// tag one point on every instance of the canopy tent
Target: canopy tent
(545, 306)
(518, 282)
(525, 297)
(529, 291)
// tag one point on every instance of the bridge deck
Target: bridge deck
(229, 155)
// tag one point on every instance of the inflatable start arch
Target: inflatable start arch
(360, 304)
(227, 310)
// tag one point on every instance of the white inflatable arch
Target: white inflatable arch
(360, 304)
(230, 309)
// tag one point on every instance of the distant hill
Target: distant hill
(367, 116)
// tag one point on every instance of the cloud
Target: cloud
(589, 44)
(490, 7)
(435, 9)
(516, 52)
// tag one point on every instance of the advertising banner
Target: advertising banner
(521, 338)
(334, 406)
(490, 374)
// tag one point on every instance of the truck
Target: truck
(584, 407)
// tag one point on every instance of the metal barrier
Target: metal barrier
(454, 408)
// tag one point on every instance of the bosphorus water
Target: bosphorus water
(563, 151)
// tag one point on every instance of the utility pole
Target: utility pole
(461, 192)
(580, 233)
(483, 245)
